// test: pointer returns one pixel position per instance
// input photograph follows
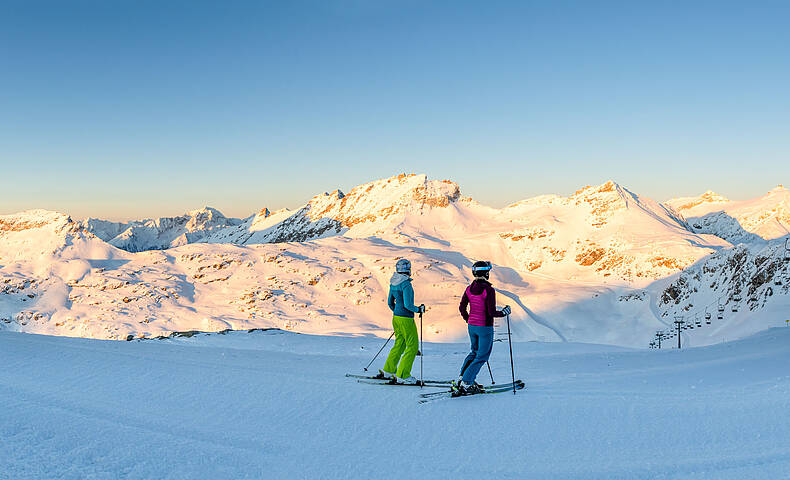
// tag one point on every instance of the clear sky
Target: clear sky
(121, 109)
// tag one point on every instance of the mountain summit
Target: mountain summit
(763, 218)
(366, 210)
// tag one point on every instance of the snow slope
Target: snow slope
(276, 405)
(605, 231)
(253, 229)
(766, 217)
(743, 289)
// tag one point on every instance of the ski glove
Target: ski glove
(506, 310)
(422, 308)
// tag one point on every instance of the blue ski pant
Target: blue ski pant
(482, 339)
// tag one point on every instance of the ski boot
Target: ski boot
(382, 375)
(407, 381)
(463, 389)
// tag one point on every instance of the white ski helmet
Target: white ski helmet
(403, 266)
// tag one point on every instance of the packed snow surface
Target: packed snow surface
(276, 405)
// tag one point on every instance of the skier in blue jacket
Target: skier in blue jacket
(401, 301)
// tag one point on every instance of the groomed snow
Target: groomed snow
(276, 405)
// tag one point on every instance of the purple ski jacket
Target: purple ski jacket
(481, 299)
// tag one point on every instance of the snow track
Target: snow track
(276, 405)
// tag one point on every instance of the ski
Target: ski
(364, 377)
(489, 387)
(426, 384)
(430, 397)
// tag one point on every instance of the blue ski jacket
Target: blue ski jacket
(401, 296)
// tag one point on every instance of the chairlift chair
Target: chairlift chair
(720, 316)
(735, 308)
(721, 307)
(737, 297)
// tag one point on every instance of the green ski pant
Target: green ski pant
(405, 339)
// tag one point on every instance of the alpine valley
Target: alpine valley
(603, 265)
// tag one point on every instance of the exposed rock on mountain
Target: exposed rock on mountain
(366, 210)
(734, 286)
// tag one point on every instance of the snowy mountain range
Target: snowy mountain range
(602, 265)
(161, 233)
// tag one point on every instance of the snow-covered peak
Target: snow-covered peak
(369, 209)
(205, 212)
(767, 216)
(38, 236)
(603, 199)
(604, 230)
(382, 199)
(204, 218)
(684, 204)
(606, 187)
(34, 219)
(762, 218)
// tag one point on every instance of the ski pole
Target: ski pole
(380, 349)
(510, 345)
(422, 352)
(489, 372)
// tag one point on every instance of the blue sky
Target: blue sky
(123, 109)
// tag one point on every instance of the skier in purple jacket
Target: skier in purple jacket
(480, 297)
